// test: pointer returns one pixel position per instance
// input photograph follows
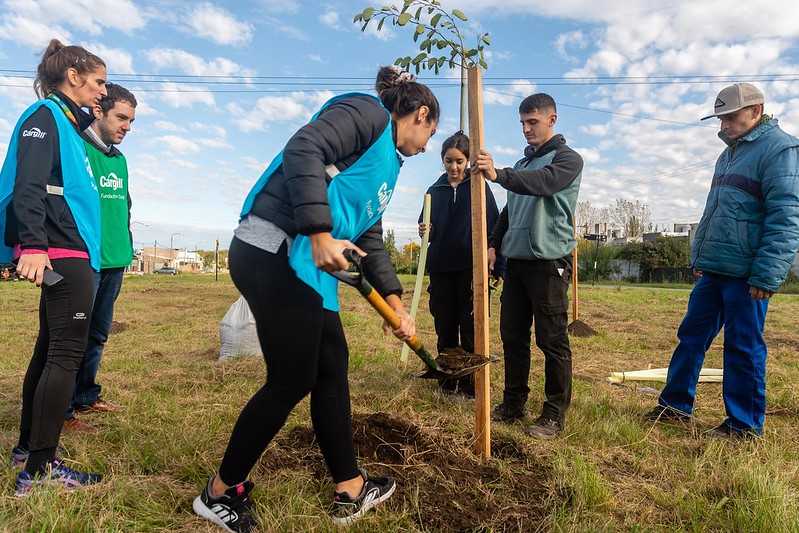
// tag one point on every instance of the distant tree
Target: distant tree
(664, 252)
(390, 242)
(595, 260)
(587, 216)
(633, 217)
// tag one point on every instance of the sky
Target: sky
(222, 86)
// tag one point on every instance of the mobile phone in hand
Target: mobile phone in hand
(51, 277)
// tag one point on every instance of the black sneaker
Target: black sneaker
(231, 511)
(346, 510)
(725, 432)
(510, 413)
(662, 413)
(544, 428)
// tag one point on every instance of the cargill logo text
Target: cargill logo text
(36, 133)
(111, 181)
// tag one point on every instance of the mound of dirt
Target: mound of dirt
(117, 327)
(454, 359)
(439, 481)
(578, 328)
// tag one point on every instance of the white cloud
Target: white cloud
(117, 60)
(187, 165)
(188, 63)
(511, 95)
(595, 130)
(318, 59)
(565, 41)
(34, 22)
(31, 32)
(589, 155)
(213, 129)
(182, 95)
(506, 151)
(215, 143)
(164, 125)
(331, 19)
(219, 26)
(173, 143)
(275, 109)
(254, 163)
(17, 92)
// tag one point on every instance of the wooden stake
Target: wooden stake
(479, 267)
(575, 304)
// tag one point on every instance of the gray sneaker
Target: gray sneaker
(510, 413)
(545, 428)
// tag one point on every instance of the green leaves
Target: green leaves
(440, 32)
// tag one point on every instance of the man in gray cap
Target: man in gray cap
(745, 243)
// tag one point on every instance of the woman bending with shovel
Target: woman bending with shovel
(323, 194)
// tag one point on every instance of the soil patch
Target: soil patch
(578, 328)
(455, 359)
(117, 327)
(439, 480)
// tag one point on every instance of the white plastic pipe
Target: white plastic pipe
(417, 289)
(706, 375)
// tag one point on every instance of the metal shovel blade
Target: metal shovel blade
(450, 374)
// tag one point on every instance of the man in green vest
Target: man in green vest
(114, 116)
(535, 232)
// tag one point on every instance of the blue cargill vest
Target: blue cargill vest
(80, 190)
(357, 197)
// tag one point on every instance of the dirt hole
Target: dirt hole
(439, 480)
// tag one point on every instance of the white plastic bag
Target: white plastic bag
(237, 332)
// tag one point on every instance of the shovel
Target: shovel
(357, 280)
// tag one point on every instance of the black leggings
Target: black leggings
(305, 352)
(65, 311)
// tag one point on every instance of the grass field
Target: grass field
(610, 472)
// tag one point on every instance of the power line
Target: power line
(487, 80)
(658, 176)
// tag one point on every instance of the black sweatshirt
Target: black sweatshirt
(295, 197)
(35, 219)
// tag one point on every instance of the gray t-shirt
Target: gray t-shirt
(262, 234)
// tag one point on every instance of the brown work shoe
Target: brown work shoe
(73, 425)
(102, 406)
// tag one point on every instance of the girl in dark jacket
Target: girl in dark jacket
(324, 193)
(449, 261)
(50, 220)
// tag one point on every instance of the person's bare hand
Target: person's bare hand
(327, 252)
(759, 294)
(425, 228)
(483, 162)
(31, 267)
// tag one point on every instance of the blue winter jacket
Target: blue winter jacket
(750, 227)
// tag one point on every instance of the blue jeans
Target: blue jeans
(107, 284)
(718, 301)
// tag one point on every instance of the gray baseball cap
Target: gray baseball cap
(736, 97)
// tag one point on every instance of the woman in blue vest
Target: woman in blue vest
(324, 193)
(449, 260)
(50, 220)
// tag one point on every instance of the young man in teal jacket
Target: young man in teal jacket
(114, 116)
(535, 231)
(744, 245)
